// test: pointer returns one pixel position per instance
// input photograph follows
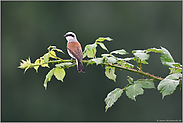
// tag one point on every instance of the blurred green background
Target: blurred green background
(28, 28)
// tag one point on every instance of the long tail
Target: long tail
(80, 66)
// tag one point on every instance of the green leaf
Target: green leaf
(130, 80)
(169, 84)
(125, 64)
(52, 54)
(112, 97)
(25, 64)
(91, 46)
(102, 39)
(59, 73)
(55, 48)
(48, 77)
(155, 50)
(111, 59)
(44, 65)
(109, 72)
(46, 57)
(36, 67)
(107, 55)
(98, 60)
(121, 52)
(145, 83)
(67, 64)
(90, 51)
(142, 56)
(103, 46)
(166, 58)
(134, 90)
(175, 70)
(174, 76)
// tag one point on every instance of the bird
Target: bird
(74, 50)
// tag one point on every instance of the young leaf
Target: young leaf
(55, 48)
(103, 46)
(90, 50)
(44, 65)
(112, 97)
(36, 67)
(166, 57)
(121, 52)
(134, 90)
(102, 39)
(91, 46)
(46, 57)
(59, 73)
(109, 72)
(48, 77)
(130, 80)
(52, 54)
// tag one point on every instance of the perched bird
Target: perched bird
(74, 49)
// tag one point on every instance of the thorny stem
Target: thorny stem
(107, 64)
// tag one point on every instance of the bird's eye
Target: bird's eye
(70, 35)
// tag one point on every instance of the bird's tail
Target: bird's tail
(80, 66)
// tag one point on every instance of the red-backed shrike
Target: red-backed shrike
(74, 49)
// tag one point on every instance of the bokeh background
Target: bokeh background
(28, 28)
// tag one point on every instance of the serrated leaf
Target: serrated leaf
(59, 73)
(46, 57)
(36, 67)
(121, 52)
(166, 57)
(44, 65)
(91, 46)
(174, 76)
(109, 72)
(103, 46)
(111, 59)
(155, 50)
(48, 77)
(98, 60)
(52, 54)
(134, 90)
(145, 83)
(90, 50)
(102, 39)
(112, 97)
(142, 56)
(167, 86)
(91, 53)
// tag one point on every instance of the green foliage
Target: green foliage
(166, 86)
(169, 84)
(112, 97)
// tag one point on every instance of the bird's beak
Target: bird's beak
(65, 35)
